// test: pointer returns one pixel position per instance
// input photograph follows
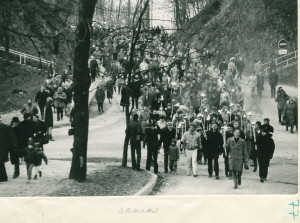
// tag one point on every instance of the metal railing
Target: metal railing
(283, 61)
(27, 59)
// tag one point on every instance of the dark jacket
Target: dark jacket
(48, 115)
(151, 138)
(27, 132)
(125, 95)
(8, 141)
(41, 98)
(265, 147)
(136, 88)
(31, 155)
(18, 151)
(68, 92)
(166, 137)
(133, 130)
(273, 79)
(173, 152)
(39, 129)
(214, 142)
(260, 82)
(281, 99)
(268, 127)
(100, 95)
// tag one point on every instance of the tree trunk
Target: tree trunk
(135, 37)
(120, 3)
(82, 83)
(111, 8)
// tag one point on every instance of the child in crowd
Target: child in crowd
(174, 156)
(30, 158)
(33, 158)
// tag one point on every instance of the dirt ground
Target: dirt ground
(105, 177)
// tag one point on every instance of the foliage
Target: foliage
(251, 29)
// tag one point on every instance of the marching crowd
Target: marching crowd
(190, 102)
(24, 140)
(183, 100)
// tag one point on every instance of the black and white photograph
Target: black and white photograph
(148, 98)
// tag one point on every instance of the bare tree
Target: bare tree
(135, 37)
(82, 81)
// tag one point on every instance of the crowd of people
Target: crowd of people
(24, 140)
(183, 100)
(187, 100)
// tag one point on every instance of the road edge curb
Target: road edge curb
(147, 189)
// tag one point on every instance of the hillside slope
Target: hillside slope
(251, 29)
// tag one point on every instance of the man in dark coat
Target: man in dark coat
(94, 68)
(240, 65)
(151, 140)
(16, 152)
(214, 149)
(125, 96)
(260, 84)
(267, 126)
(273, 81)
(100, 97)
(8, 141)
(223, 66)
(27, 130)
(41, 99)
(39, 130)
(281, 99)
(166, 135)
(134, 131)
(136, 90)
(265, 151)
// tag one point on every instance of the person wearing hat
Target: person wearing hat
(191, 141)
(166, 135)
(265, 151)
(8, 143)
(17, 152)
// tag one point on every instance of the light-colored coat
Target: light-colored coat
(238, 154)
